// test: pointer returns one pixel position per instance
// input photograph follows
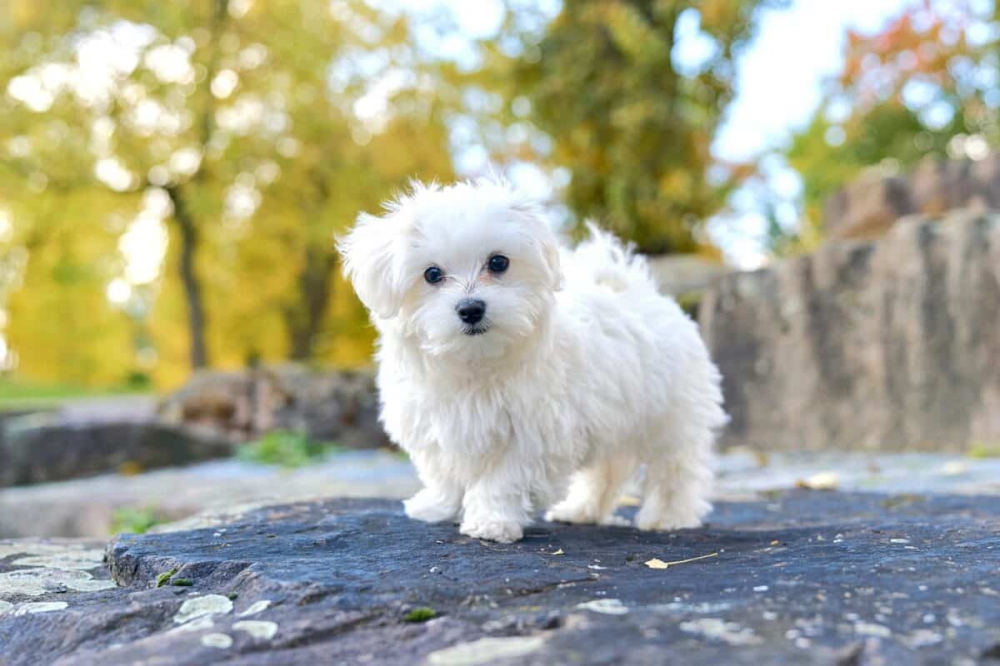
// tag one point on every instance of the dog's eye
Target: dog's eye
(433, 275)
(498, 263)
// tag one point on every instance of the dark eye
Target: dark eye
(433, 275)
(498, 263)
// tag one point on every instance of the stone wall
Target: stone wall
(869, 206)
(338, 406)
(891, 344)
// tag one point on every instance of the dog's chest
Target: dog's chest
(474, 421)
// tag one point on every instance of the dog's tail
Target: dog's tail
(605, 260)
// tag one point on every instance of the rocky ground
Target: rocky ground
(800, 576)
(88, 507)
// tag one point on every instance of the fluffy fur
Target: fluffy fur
(585, 371)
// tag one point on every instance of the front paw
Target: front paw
(492, 530)
(429, 507)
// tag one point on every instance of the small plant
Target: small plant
(286, 448)
(164, 578)
(133, 520)
(421, 614)
(984, 450)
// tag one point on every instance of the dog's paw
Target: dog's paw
(428, 507)
(566, 513)
(668, 524)
(678, 518)
(492, 530)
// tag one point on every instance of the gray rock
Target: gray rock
(328, 406)
(798, 577)
(88, 507)
(679, 275)
(870, 205)
(74, 442)
(888, 345)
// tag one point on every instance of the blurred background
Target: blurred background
(172, 175)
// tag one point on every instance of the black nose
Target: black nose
(471, 310)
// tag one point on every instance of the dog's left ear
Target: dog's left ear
(548, 243)
(550, 251)
(372, 263)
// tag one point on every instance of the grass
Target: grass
(286, 448)
(984, 450)
(134, 521)
(17, 394)
(164, 578)
(421, 614)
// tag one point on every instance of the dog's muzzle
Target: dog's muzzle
(472, 311)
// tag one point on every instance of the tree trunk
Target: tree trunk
(189, 243)
(305, 320)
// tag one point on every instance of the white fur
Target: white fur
(585, 373)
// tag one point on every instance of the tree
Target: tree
(265, 127)
(633, 118)
(904, 93)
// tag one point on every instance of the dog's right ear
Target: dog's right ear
(370, 252)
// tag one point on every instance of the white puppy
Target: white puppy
(511, 373)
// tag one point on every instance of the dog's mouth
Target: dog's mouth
(478, 329)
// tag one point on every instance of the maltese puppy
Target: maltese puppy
(516, 374)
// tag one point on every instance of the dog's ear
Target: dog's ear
(546, 239)
(370, 253)
(550, 250)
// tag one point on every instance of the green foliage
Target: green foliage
(20, 394)
(133, 520)
(165, 577)
(984, 450)
(285, 448)
(632, 124)
(422, 614)
(247, 142)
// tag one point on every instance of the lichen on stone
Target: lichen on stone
(197, 607)
(31, 608)
(485, 651)
(257, 628)
(220, 641)
(256, 608)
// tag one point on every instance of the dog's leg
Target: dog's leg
(436, 503)
(440, 500)
(593, 493)
(678, 485)
(497, 506)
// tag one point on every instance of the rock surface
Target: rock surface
(89, 507)
(802, 577)
(99, 436)
(891, 345)
(680, 275)
(871, 205)
(241, 406)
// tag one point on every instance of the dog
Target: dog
(518, 375)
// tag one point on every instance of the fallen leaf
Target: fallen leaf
(821, 481)
(657, 563)
(558, 552)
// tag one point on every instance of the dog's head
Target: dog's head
(468, 269)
